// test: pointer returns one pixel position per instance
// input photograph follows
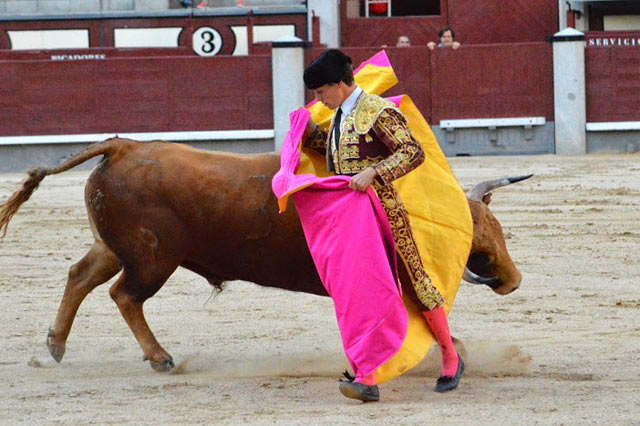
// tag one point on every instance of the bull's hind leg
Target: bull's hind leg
(130, 292)
(95, 268)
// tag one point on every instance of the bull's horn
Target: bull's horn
(478, 191)
(473, 278)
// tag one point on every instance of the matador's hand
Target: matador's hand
(362, 180)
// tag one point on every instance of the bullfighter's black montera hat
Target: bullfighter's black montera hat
(328, 68)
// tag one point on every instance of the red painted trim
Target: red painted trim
(250, 32)
(571, 18)
(315, 26)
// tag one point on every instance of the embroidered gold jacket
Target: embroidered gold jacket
(375, 134)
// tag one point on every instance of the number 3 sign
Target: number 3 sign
(206, 41)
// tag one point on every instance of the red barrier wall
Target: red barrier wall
(612, 62)
(135, 95)
(411, 66)
(487, 81)
(479, 81)
(159, 94)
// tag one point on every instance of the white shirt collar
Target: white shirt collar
(346, 107)
(349, 103)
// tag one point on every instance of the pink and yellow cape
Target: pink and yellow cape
(380, 333)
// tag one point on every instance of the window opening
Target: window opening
(387, 8)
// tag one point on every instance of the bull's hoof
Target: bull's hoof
(56, 351)
(165, 366)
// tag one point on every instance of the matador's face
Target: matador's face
(331, 95)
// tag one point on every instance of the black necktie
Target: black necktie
(336, 127)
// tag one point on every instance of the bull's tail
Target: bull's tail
(37, 174)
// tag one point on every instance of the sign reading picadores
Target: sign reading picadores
(87, 57)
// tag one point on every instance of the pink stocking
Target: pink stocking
(369, 380)
(437, 320)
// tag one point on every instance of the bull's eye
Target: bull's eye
(480, 264)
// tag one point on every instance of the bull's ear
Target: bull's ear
(486, 198)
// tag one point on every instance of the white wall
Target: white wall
(621, 22)
(329, 13)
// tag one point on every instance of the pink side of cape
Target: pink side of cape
(352, 246)
(380, 59)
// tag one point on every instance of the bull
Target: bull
(155, 206)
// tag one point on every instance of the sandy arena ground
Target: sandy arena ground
(563, 349)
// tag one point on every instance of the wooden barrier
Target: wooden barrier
(612, 62)
(169, 94)
(478, 81)
(489, 81)
(135, 95)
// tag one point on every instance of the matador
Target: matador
(369, 139)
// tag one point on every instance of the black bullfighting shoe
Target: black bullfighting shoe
(352, 389)
(359, 391)
(447, 383)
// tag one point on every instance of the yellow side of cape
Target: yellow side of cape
(443, 230)
(438, 211)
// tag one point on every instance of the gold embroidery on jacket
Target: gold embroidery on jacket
(406, 246)
(316, 140)
(350, 152)
(407, 153)
(382, 118)
(368, 109)
(355, 166)
(349, 145)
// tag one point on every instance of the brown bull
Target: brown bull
(156, 206)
